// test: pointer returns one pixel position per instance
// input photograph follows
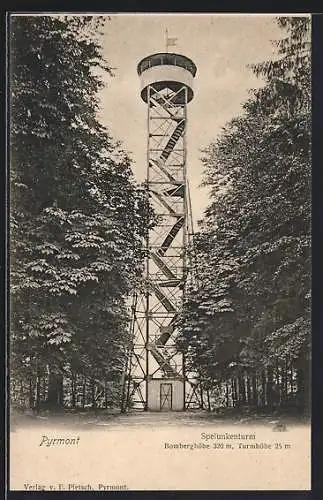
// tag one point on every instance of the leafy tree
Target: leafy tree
(249, 309)
(77, 216)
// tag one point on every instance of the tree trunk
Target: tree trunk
(278, 384)
(254, 390)
(227, 394)
(106, 394)
(291, 373)
(303, 392)
(55, 391)
(249, 397)
(37, 390)
(22, 394)
(208, 400)
(270, 391)
(202, 397)
(242, 390)
(234, 392)
(83, 392)
(93, 401)
(284, 382)
(73, 389)
(31, 394)
(263, 386)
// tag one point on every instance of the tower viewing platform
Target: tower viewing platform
(167, 70)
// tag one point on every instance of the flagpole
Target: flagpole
(166, 39)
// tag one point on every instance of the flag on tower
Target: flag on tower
(171, 41)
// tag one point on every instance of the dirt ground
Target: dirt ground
(105, 418)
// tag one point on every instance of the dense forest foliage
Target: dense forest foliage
(77, 220)
(246, 320)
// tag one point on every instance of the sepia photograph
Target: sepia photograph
(160, 251)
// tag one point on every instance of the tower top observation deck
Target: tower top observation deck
(166, 70)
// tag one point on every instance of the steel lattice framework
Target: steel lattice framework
(155, 309)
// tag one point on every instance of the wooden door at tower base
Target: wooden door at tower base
(166, 397)
(156, 395)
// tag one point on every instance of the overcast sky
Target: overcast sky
(220, 45)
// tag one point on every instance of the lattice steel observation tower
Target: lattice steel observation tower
(156, 376)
